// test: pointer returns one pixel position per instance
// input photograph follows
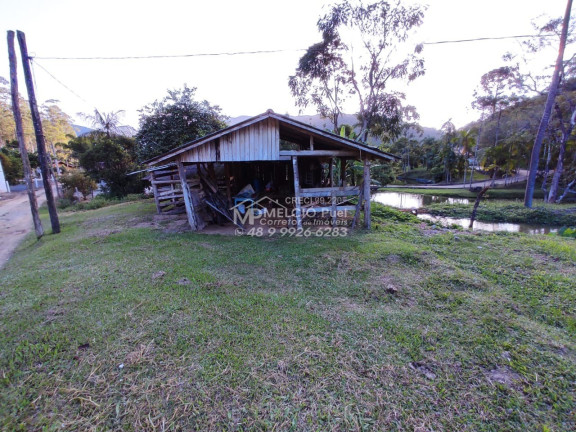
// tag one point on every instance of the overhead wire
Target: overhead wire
(480, 39)
(34, 59)
(62, 84)
(235, 53)
(173, 56)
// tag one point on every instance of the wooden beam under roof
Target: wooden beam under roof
(328, 153)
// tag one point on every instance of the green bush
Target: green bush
(12, 164)
(64, 203)
(98, 202)
(382, 213)
(78, 180)
(567, 232)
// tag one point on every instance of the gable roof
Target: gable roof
(282, 120)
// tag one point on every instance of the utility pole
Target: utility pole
(535, 157)
(42, 155)
(20, 134)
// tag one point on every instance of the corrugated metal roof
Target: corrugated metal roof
(282, 119)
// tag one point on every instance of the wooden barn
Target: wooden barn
(292, 164)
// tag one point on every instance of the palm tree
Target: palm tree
(467, 142)
(106, 123)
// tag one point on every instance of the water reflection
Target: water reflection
(491, 226)
(403, 200)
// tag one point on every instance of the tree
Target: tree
(535, 157)
(57, 128)
(7, 126)
(558, 131)
(175, 120)
(358, 57)
(77, 180)
(494, 92)
(405, 143)
(107, 156)
(467, 141)
(451, 161)
(55, 122)
(106, 123)
(12, 164)
(491, 99)
(320, 81)
(565, 121)
(110, 160)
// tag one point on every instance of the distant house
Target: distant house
(290, 163)
(4, 187)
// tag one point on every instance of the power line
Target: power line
(34, 59)
(236, 53)
(485, 39)
(61, 83)
(172, 56)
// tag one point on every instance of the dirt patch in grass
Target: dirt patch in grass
(505, 376)
(102, 233)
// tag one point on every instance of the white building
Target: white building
(4, 186)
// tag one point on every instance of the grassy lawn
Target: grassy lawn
(119, 324)
(478, 176)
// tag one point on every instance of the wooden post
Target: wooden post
(196, 206)
(212, 174)
(190, 210)
(20, 135)
(367, 222)
(228, 187)
(331, 172)
(40, 142)
(342, 172)
(297, 192)
(358, 207)
(173, 189)
(155, 190)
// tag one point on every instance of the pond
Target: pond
(491, 226)
(403, 200)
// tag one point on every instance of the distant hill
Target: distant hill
(325, 124)
(127, 131)
(81, 130)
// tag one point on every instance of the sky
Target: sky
(243, 84)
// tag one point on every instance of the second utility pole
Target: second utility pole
(41, 143)
(20, 134)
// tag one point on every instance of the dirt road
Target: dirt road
(15, 222)
(520, 177)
